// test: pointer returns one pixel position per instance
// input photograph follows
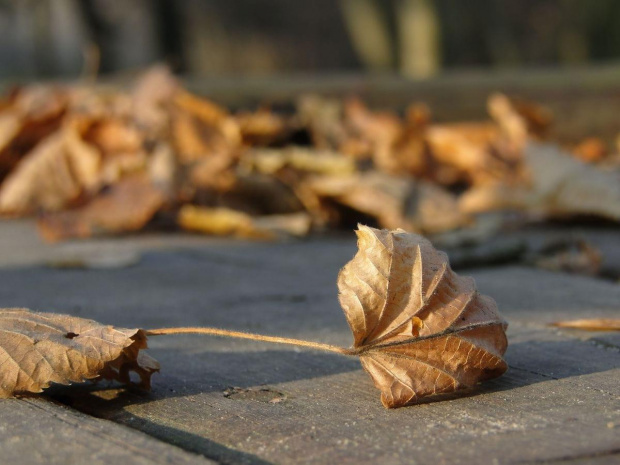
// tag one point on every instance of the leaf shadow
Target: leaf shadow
(255, 375)
(534, 361)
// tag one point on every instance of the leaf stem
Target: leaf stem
(254, 337)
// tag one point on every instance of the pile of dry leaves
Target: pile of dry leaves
(93, 160)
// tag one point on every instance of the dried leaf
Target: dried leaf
(591, 150)
(572, 256)
(37, 349)
(323, 119)
(227, 222)
(126, 206)
(473, 149)
(395, 201)
(594, 324)
(35, 114)
(518, 119)
(208, 126)
(45, 179)
(150, 98)
(559, 186)
(419, 328)
(262, 127)
(270, 161)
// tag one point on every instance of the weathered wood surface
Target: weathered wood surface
(41, 432)
(559, 402)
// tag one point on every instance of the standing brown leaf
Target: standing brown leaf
(419, 328)
(37, 349)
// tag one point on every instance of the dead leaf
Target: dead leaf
(262, 127)
(257, 194)
(519, 120)
(395, 201)
(591, 150)
(201, 127)
(418, 327)
(559, 186)
(35, 113)
(44, 179)
(474, 150)
(227, 222)
(572, 256)
(323, 119)
(150, 98)
(126, 206)
(593, 324)
(270, 161)
(38, 349)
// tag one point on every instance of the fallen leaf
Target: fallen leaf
(226, 222)
(44, 179)
(473, 149)
(323, 119)
(559, 186)
(519, 119)
(262, 127)
(37, 349)
(418, 327)
(591, 150)
(205, 127)
(35, 114)
(257, 194)
(593, 324)
(572, 256)
(126, 206)
(270, 161)
(151, 97)
(394, 201)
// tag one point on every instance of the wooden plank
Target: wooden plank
(37, 431)
(558, 402)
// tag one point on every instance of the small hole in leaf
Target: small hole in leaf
(71, 335)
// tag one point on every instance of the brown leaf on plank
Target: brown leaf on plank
(591, 150)
(227, 222)
(592, 324)
(394, 201)
(262, 127)
(44, 179)
(32, 114)
(201, 128)
(557, 186)
(38, 349)
(150, 100)
(220, 222)
(518, 119)
(474, 151)
(418, 327)
(270, 161)
(127, 206)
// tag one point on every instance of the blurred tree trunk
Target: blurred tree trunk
(368, 29)
(125, 32)
(418, 30)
